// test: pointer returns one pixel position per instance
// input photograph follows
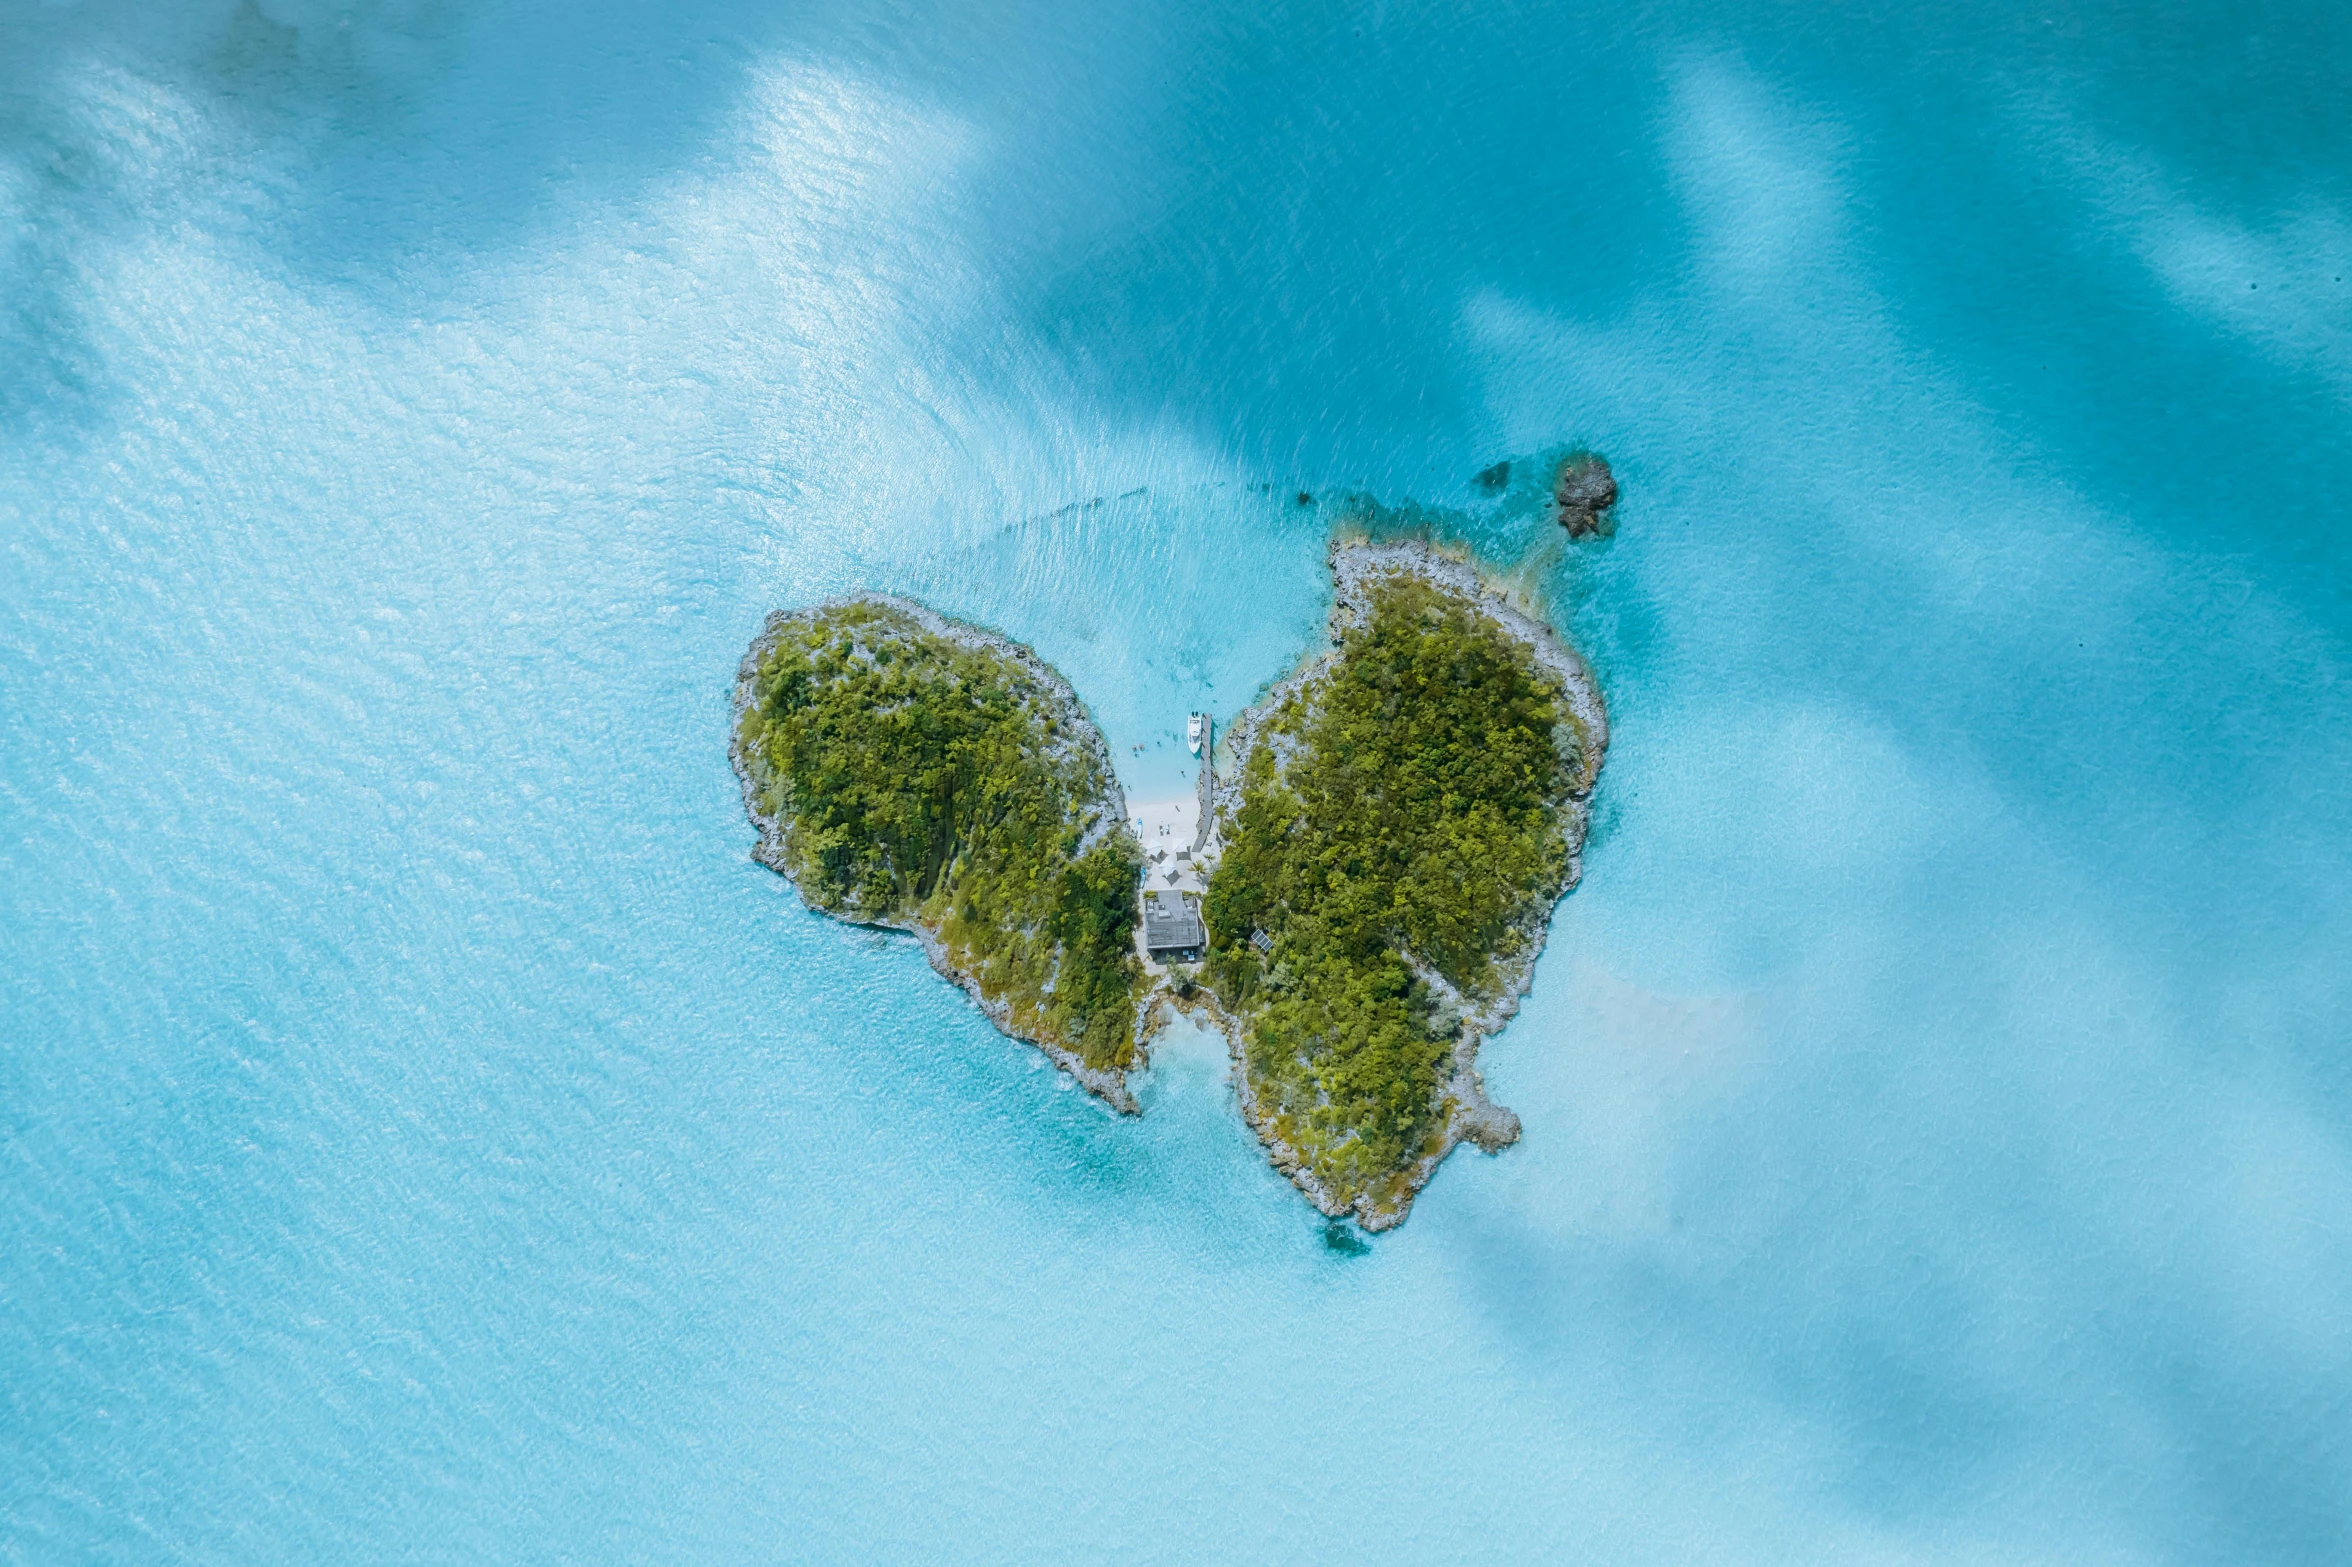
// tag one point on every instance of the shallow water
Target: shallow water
(428, 1137)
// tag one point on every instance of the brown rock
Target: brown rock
(1583, 494)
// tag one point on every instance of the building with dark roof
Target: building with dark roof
(1172, 929)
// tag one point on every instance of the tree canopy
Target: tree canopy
(1400, 834)
(934, 780)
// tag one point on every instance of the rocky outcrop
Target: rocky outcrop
(1583, 494)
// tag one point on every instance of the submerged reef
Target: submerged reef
(909, 771)
(1403, 814)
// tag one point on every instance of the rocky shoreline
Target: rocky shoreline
(1356, 564)
(1077, 731)
(1470, 1115)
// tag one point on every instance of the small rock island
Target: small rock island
(1383, 840)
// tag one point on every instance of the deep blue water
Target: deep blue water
(425, 1136)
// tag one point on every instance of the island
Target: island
(1401, 817)
(912, 772)
(1369, 878)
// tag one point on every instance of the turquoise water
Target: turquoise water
(427, 1137)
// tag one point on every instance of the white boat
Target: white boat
(1194, 727)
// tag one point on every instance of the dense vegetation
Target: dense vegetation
(1400, 821)
(923, 780)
